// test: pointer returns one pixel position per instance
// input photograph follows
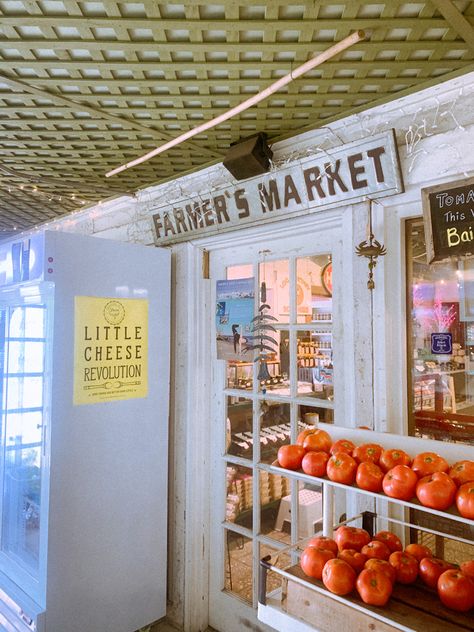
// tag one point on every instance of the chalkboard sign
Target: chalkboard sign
(448, 214)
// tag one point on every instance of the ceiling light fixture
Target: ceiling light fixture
(352, 39)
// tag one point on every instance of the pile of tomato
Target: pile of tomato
(428, 476)
(372, 566)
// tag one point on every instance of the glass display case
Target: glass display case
(71, 468)
(25, 363)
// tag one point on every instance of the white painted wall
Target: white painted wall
(435, 134)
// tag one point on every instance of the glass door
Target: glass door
(24, 397)
(255, 512)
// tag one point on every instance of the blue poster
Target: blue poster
(441, 343)
(235, 308)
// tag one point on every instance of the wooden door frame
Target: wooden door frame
(191, 423)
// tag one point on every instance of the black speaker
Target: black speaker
(249, 157)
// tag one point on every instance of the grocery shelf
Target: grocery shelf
(303, 602)
(452, 514)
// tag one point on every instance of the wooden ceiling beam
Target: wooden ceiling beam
(152, 23)
(159, 47)
(456, 20)
(156, 68)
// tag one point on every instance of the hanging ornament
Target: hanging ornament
(261, 327)
(371, 248)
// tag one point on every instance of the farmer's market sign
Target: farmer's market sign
(342, 175)
(448, 215)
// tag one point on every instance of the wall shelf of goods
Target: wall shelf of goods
(302, 604)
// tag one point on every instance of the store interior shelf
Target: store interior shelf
(452, 452)
(411, 608)
(452, 514)
(303, 604)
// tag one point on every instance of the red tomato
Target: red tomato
(313, 560)
(290, 456)
(468, 568)
(354, 558)
(322, 542)
(418, 551)
(383, 567)
(436, 491)
(465, 500)
(374, 587)
(318, 440)
(428, 463)
(456, 590)
(339, 577)
(341, 468)
(369, 476)
(390, 458)
(405, 565)
(303, 434)
(400, 482)
(462, 472)
(376, 549)
(367, 452)
(431, 568)
(342, 445)
(390, 539)
(351, 538)
(314, 463)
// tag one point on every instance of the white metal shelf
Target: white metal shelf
(315, 480)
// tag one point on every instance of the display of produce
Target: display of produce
(411, 575)
(431, 568)
(374, 569)
(437, 491)
(367, 467)
(376, 550)
(456, 590)
(392, 541)
(339, 577)
(462, 472)
(369, 477)
(351, 538)
(465, 500)
(374, 587)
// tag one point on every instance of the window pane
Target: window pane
(238, 565)
(314, 364)
(277, 379)
(440, 343)
(275, 506)
(314, 289)
(239, 500)
(25, 357)
(239, 434)
(280, 560)
(276, 275)
(240, 375)
(274, 429)
(310, 415)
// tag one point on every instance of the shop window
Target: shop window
(265, 510)
(440, 315)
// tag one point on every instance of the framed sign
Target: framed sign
(442, 343)
(110, 349)
(344, 174)
(448, 215)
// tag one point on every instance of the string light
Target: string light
(50, 197)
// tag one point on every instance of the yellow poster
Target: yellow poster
(110, 349)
